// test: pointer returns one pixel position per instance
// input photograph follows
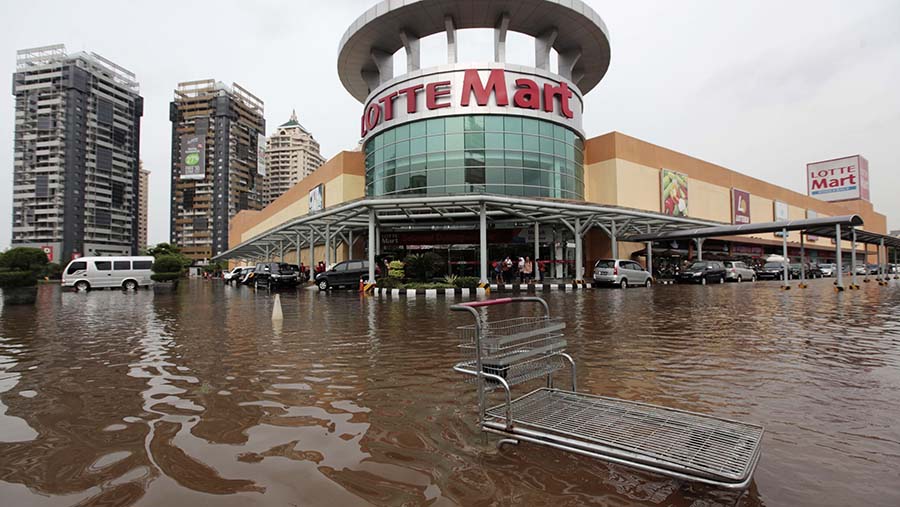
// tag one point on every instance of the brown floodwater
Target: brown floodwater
(196, 398)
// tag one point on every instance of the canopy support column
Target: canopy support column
(802, 262)
(786, 274)
(699, 242)
(482, 243)
(650, 258)
(852, 257)
(312, 253)
(578, 260)
(537, 252)
(327, 245)
(837, 256)
(371, 245)
(614, 240)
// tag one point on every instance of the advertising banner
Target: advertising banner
(261, 155)
(781, 214)
(811, 214)
(317, 198)
(839, 179)
(740, 206)
(674, 193)
(193, 157)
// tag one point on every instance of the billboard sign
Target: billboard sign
(193, 157)
(811, 214)
(674, 193)
(840, 179)
(261, 155)
(317, 198)
(781, 214)
(740, 206)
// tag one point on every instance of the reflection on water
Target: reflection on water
(140, 399)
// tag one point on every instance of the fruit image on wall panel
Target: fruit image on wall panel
(674, 189)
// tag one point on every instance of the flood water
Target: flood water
(197, 399)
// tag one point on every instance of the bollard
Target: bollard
(276, 309)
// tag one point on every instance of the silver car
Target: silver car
(737, 271)
(621, 273)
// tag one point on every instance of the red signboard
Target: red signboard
(740, 206)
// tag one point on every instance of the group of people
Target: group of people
(510, 270)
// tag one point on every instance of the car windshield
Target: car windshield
(605, 264)
(697, 266)
(774, 265)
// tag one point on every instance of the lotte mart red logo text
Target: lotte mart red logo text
(438, 95)
(835, 177)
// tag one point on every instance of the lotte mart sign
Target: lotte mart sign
(498, 89)
(840, 179)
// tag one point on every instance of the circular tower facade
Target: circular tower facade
(489, 127)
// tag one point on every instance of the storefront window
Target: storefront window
(496, 154)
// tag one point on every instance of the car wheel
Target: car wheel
(82, 286)
(623, 284)
(648, 283)
(753, 278)
(740, 279)
(703, 281)
(130, 285)
(322, 284)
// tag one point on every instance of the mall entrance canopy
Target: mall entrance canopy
(348, 222)
(843, 227)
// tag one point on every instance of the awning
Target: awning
(813, 226)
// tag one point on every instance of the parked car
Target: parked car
(247, 276)
(874, 269)
(703, 272)
(129, 273)
(274, 275)
(860, 269)
(621, 273)
(737, 271)
(232, 275)
(827, 269)
(771, 271)
(810, 271)
(344, 274)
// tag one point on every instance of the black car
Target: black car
(344, 274)
(274, 275)
(771, 271)
(810, 271)
(703, 272)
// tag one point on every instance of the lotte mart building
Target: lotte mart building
(477, 161)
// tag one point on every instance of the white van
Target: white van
(129, 273)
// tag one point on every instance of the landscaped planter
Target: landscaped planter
(20, 295)
(165, 287)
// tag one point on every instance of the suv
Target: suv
(621, 273)
(737, 271)
(771, 271)
(273, 275)
(344, 274)
(703, 272)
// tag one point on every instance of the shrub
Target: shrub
(390, 282)
(467, 282)
(167, 264)
(424, 267)
(165, 277)
(451, 279)
(17, 279)
(428, 285)
(24, 259)
(395, 270)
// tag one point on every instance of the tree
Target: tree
(24, 259)
(169, 250)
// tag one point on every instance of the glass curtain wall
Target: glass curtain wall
(507, 155)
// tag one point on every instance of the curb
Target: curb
(429, 292)
(482, 291)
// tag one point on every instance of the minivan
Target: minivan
(621, 273)
(129, 273)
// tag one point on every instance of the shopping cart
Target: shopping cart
(675, 443)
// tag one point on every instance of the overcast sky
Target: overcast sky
(759, 87)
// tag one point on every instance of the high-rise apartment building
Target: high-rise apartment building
(216, 135)
(76, 152)
(142, 207)
(291, 155)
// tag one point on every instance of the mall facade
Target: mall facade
(480, 161)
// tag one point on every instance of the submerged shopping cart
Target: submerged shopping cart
(683, 445)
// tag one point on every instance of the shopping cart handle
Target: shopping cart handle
(487, 302)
